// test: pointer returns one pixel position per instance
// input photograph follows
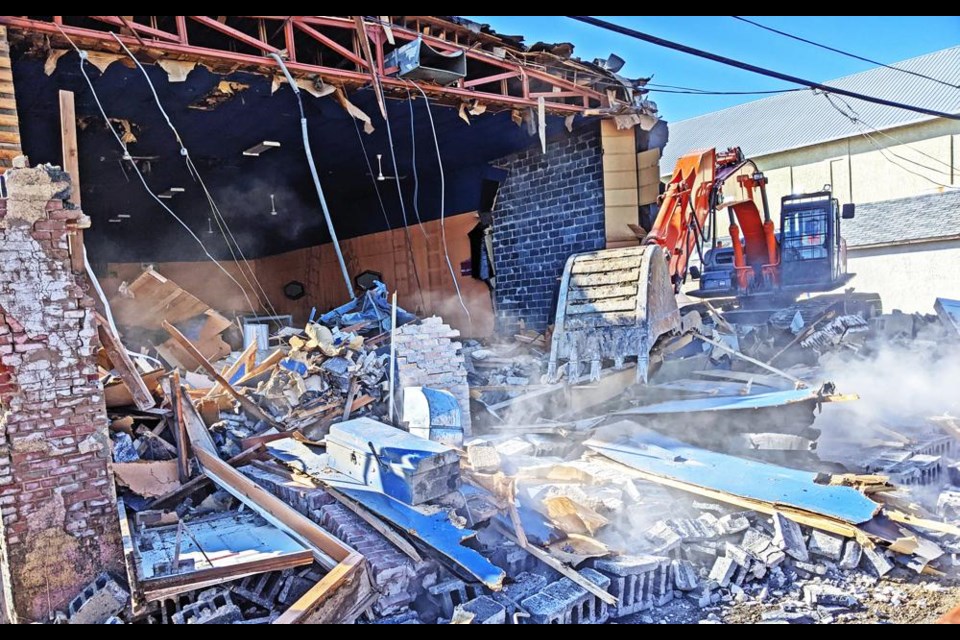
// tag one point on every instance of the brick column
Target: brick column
(59, 525)
(549, 207)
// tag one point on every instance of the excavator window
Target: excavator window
(805, 234)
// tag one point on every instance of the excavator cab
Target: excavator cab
(812, 251)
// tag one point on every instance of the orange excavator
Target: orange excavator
(808, 254)
(615, 303)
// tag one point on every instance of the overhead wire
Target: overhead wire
(884, 151)
(126, 156)
(700, 53)
(443, 202)
(846, 53)
(229, 239)
(855, 118)
(386, 218)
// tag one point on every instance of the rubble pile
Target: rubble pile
(257, 477)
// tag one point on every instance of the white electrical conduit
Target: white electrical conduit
(316, 178)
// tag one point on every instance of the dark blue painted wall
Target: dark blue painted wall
(550, 206)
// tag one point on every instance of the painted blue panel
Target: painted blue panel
(655, 453)
(435, 529)
(726, 403)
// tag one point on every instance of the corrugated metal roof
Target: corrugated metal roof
(905, 219)
(804, 118)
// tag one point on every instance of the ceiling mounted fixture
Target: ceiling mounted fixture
(257, 149)
(169, 193)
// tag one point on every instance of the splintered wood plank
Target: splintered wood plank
(153, 299)
(597, 293)
(124, 366)
(602, 306)
(246, 403)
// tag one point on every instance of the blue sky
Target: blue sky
(882, 38)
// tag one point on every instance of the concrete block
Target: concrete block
(789, 537)
(99, 600)
(483, 456)
(723, 570)
(684, 575)
(825, 544)
(481, 610)
(852, 552)
(732, 523)
(820, 594)
(876, 561)
(217, 608)
(738, 554)
(523, 586)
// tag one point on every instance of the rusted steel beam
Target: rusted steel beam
(236, 34)
(330, 42)
(259, 63)
(118, 21)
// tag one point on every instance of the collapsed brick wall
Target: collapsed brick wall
(57, 500)
(427, 356)
(549, 207)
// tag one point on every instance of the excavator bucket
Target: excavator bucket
(613, 303)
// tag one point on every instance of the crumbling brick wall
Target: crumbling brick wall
(427, 356)
(57, 500)
(549, 207)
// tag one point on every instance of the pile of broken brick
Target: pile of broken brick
(287, 486)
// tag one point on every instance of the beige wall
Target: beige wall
(860, 173)
(908, 277)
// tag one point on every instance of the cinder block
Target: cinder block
(99, 600)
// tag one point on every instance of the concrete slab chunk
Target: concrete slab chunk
(826, 545)
(789, 537)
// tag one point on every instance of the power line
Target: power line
(639, 35)
(846, 53)
(720, 93)
(660, 87)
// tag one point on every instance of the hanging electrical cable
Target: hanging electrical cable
(126, 156)
(229, 239)
(443, 203)
(316, 177)
(413, 164)
(383, 209)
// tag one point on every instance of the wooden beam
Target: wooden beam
(183, 447)
(180, 493)
(368, 54)
(246, 403)
(124, 366)
(558, 566)
(327, 550)
(249, 354)
(71, 164)
(341, 596)
(800, 384)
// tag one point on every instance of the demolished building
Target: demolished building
(213, 411)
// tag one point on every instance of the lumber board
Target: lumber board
(246, 403)
(128, 372)
(341, 596)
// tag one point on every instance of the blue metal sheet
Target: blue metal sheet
(434, 529)
(654, 453)
(726, 403)
(949, 312)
